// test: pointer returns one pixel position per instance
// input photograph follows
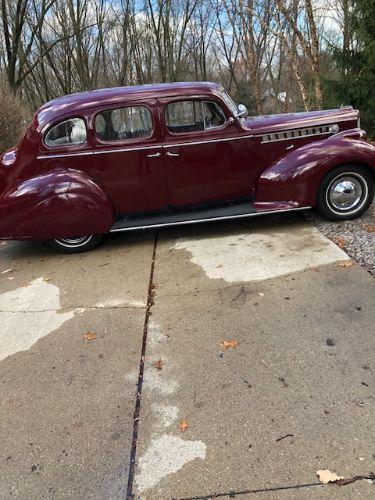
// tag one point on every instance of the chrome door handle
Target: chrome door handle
(172, 155)
(154, 155)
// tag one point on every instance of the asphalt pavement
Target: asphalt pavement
(224, 360)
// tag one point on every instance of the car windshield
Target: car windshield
(229, 102)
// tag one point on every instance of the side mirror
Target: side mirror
(242, 110)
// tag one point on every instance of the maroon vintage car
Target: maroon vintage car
(150, 156)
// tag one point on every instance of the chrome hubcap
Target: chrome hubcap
(346, 192)
(74, 242)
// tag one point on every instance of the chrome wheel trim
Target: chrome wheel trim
(347, 193)
(77, 242)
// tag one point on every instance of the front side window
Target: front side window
(68, 132)
(192, 116)
(131, 122)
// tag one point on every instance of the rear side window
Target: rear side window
(131, 122)
(72, 131)
(192, 116)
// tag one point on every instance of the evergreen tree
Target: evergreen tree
(355, 62)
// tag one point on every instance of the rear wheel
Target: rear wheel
(77, 244)
(345, 193)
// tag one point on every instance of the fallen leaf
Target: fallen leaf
(183, 425)
(340, 242)
(226, 344)
(326, 476)
(89, 336)
(159, 364)
(346, 263)
(7, 271)
(370, 228)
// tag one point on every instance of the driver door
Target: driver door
(206, 157)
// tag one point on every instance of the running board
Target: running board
(193, 217)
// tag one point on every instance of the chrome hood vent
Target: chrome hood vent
(299, 133)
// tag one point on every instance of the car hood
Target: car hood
(287, 121)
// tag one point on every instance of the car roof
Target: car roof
(71, 103)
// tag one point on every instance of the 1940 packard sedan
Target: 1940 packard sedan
(149, 156)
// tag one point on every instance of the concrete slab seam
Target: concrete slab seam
(137, 409)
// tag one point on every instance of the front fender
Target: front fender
(60, 203)
(296, 177)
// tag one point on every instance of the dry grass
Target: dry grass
(13, 119)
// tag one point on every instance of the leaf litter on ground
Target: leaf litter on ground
(159, 364)
(228, 344)
(346, 263)
(326, 476)
(89, 336)
(183, 425)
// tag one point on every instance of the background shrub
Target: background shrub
(14, 118)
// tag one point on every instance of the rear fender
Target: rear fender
(297, 176)
(60, 203)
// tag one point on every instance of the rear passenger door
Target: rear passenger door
(128, 150)
(206, 157)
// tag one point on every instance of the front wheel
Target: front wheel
(77, 244)
(345, 193)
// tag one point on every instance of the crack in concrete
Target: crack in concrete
(137, 409)
(234, 494)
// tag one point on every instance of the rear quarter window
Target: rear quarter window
(67, 132)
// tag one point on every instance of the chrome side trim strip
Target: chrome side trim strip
(225, 139)
(65, 155)
(122, 150)
(181, 223)
(93, 153)
(141, 148)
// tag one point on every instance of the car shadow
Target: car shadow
(128, 240)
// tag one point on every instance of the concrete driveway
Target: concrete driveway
(257, 335)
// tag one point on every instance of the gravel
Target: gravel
(356, 237)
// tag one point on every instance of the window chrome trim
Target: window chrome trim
(112, 142)
(49, 126)
(140, 148)
(201, 101)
